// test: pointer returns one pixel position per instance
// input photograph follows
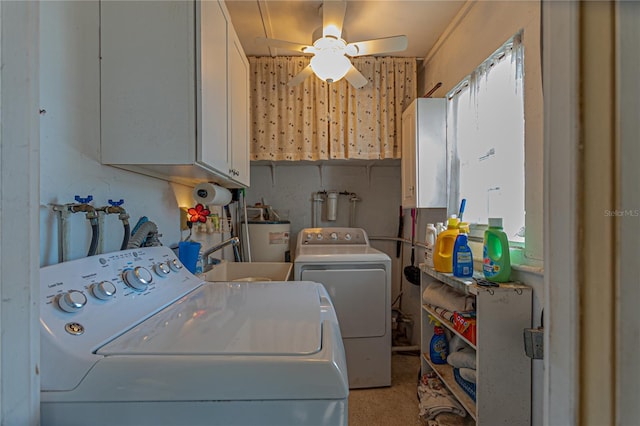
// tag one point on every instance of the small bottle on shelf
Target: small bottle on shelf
(430, 242)
(438, 347)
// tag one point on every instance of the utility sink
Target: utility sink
(250, 271)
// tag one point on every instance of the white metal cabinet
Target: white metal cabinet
(166, 91)
(503, 388)
(239, 122)
(424, 154)
(213, 140)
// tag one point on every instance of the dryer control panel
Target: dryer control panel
(333, 236)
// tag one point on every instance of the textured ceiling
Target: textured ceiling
(422, 21)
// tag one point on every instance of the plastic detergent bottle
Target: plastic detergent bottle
(430, 242)
(438, 347)
(496, 263)
(440, 227)
(462, 256)
(443, 252)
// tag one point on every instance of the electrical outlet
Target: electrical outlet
(184, 217)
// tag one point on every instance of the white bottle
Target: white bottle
(430, 242)
(440, 227)
(199, 264)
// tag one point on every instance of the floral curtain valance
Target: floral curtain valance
(319, 121)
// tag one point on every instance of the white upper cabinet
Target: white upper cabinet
(239, 121)
(424, 154)
(174, 91)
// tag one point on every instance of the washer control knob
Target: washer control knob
(162, 269)
(138, 278)
(103, 290)
(319, 237)
(72, 301)
(174, 265)
(334, 236)
(309, 237)
(347, 236)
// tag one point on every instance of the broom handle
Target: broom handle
(413, 236)
(413, 226)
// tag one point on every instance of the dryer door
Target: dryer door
(359, 297)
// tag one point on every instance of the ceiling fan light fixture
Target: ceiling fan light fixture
(332, 31)
(330, 42)
(331, 53)
(330, 66)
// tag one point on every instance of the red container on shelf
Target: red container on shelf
(465, 324)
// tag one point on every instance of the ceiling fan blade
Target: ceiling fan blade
(356, 79)
(332, 17)
(301, 76)
(283, 44)
(379, 45)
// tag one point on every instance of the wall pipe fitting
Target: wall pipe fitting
(92, 217)
(353, 198)
(332, 206)
(331, 197)
(63, 230)
(115, 207)
(63, 211)
(317, 198)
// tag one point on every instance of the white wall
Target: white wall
(628, 330)
(478, 30)
(378, 187)
(70, 147)
(70, 139)
(19, 178)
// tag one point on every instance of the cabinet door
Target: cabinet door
(424, 154)
(213, 146)
(238, 111)
(430, 153)
(408, 161)
(147, 102)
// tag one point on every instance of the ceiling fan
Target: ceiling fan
(330, 61)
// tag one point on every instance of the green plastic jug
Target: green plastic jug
(496, 262)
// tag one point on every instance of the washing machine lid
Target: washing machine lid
(252, 319)
(339, 254)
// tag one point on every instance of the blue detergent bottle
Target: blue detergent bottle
(438, 347)
(462, 255)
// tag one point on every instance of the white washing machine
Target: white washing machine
(133, 338)
(358, 280)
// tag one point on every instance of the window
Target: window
(486, 135)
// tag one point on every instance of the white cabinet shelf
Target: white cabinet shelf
(447, 324)
(445, 372)
(503, 388)
(174, 91)
(424, 154)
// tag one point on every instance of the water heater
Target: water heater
(268, 240)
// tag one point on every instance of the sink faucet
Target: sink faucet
(208, 264)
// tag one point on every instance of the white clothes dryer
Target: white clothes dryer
(358, 280)
(133, 338)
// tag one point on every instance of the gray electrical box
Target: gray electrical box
(534, 342)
